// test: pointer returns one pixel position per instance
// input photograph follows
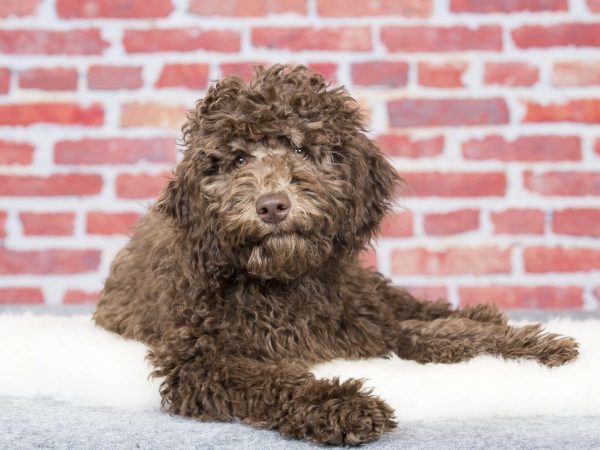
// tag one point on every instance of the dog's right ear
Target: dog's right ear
(173, 200)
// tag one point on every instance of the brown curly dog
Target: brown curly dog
(244, 273)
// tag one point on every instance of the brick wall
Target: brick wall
(489, 109)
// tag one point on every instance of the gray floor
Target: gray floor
(44, 423)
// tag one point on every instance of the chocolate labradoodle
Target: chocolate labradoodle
(244, 273)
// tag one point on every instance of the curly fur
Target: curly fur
(235, 310)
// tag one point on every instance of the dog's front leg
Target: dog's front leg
(282, 396)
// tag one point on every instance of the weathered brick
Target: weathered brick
(594, 6)
(116, 9)
(190, 76)
(455, 184)
(245, 8)
(55, 79)
(328, 70)
(406, 147)
(507, 297)
(405, 8)
(151, 114)
(577, 222)
(441, 39)
(398, 224)
(560, 259)
(141, 185)
(78, 297)
(563, 183)
(4, 80)
(576, 73)
(560, 35)
(180, 40)
(442, 75)
(44, 42)
(3, 216)
(102, 77)
(430, 293)
(447, 112)
(380, 73)
(18, 8)
(518, 221)
(510, 74)
(21, 296)
(99, 222)
(441, 224)
(57, 184)
(526, 148)
(507, 6)
(244, 70)
(115, 151)
(56, 113)
(47, 224)
(345, 39)
(47, 262)
(582, 111)
(15, 153)
(451, 261)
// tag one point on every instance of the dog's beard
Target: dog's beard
(286, 256)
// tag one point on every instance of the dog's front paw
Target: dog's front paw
(558, 350)
(338, 417)
(530, 341)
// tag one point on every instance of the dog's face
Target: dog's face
(278, 176)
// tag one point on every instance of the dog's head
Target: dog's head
(278, 175)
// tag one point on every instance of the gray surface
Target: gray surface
(45, 423)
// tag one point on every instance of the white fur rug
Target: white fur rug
(69, 359)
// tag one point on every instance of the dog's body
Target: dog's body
(245, 273)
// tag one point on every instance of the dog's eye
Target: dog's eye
(300, 152)
(240, 161)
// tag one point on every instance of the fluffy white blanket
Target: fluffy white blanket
(69, 359)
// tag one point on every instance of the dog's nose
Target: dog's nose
(273, 208)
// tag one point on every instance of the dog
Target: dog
(244, 273)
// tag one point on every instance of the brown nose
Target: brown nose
(273, 208)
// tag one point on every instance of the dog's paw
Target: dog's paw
(558, 350)
(531, 342)
(346, 420)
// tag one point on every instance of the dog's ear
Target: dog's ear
(174, 198)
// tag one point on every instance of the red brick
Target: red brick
(44, 42)
(190, 76)
(564, 183)
(57, 113)
(526, 148)
(151, 114)
(507, 297)
(141, 185)
(21, 296)
(510, 74)
(243, 70)
(577, 222)
(380, 73)
(447, 112)
(558, 259)
(398, 224)
(597, 147)
(442, 75)
(47, 224)
(328, 70)
(4, 80)
(454, 222)
(345, 39)
(406, 147)
(594, 6)
(180, 40)
(115, 151)
(441, 39)
(368, 259)
(452, 261)
(507, 6)
(57, 184)
(430, 293)
(576, 73)
(52, 261)
(15, 153)
(78, 297)
(111, 223)
(245, 8)
(455, 184)
(117, 9)
(582, 111)
(115, 77)
(518, 221)
(56, 79)
(344, 8)
(18, 8)
(3, 224)
(561, 35)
